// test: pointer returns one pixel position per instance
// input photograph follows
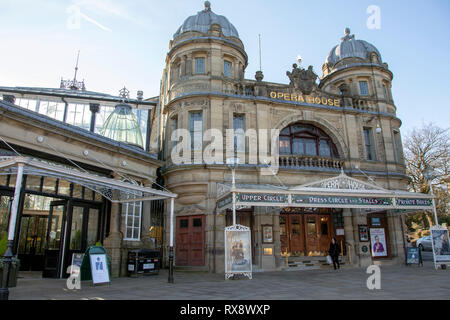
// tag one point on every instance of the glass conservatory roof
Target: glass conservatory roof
(123, 126)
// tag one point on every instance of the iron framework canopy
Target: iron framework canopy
(112, 189)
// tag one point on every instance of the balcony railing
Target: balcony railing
(298, 161)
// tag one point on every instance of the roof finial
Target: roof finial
(207, 6)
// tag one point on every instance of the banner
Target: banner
(238, 251)
(440, 244)
(378, 242)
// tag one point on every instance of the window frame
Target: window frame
(133, 226)
(370, 156)
(307, 132)
(196, 59)
(360, 82)
(192, 130)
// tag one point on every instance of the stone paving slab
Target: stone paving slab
(397, 282)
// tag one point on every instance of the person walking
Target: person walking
(334, 253)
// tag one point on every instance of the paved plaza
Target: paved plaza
(397, 282)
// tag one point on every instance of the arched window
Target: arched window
(304, 139)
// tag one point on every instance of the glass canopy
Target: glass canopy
(123, 126)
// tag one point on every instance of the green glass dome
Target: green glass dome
(122, 126)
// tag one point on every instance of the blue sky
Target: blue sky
(124, 43)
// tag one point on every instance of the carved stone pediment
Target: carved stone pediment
(191, 209)
(303, 79)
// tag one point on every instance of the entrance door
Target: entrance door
(318, 234)
(291, 233)
(55, 234)
(82, 231)
(32, 247)
(190, 241)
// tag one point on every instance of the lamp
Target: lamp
(232, 164)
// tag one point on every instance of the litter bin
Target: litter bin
(143, 262)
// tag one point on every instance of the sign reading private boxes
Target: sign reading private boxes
(441, 244)
(238, 251)
(99, 268)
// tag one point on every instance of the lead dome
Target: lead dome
(203, 20)
(352, 48)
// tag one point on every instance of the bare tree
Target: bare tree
(428, 146)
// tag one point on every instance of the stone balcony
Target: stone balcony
(301, 161)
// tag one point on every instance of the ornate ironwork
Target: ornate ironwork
(72, 85)
(124, 93)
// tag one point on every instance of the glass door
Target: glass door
(55, 235)
(82, 230)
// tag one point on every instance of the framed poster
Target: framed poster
(267, 233)
(440, 244)
(378, 242)
(238, 251)
(99, 268)
(363, 233)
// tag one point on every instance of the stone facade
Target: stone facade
(343, 116)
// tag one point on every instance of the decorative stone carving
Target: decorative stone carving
(304, 80)
(191, 209)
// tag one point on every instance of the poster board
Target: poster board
(378, 242)
(441, 245)
(413, 256)
(238, 251)
(99, 268)
(77, 259)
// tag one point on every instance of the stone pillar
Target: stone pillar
(365, 258)
(147, 221)
(113, 243)
(349, 235)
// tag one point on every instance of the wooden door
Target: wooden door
(291, 236)
(312, 234)
(190, 241)
(324, 233)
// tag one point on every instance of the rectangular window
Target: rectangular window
(368, 141)
(397, 146)
(174, 128)
(363, 88)
(385, 91)
(199, 65)
(239, 132)
(132, 212)
(227, 68)
(196, 130)
(79, 115)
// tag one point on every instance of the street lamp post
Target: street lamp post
(232, 164)
(7, 258)
(428, 175)
(171, 242)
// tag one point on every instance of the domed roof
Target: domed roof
(122, 126)
(203, 21)
(351, 48)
